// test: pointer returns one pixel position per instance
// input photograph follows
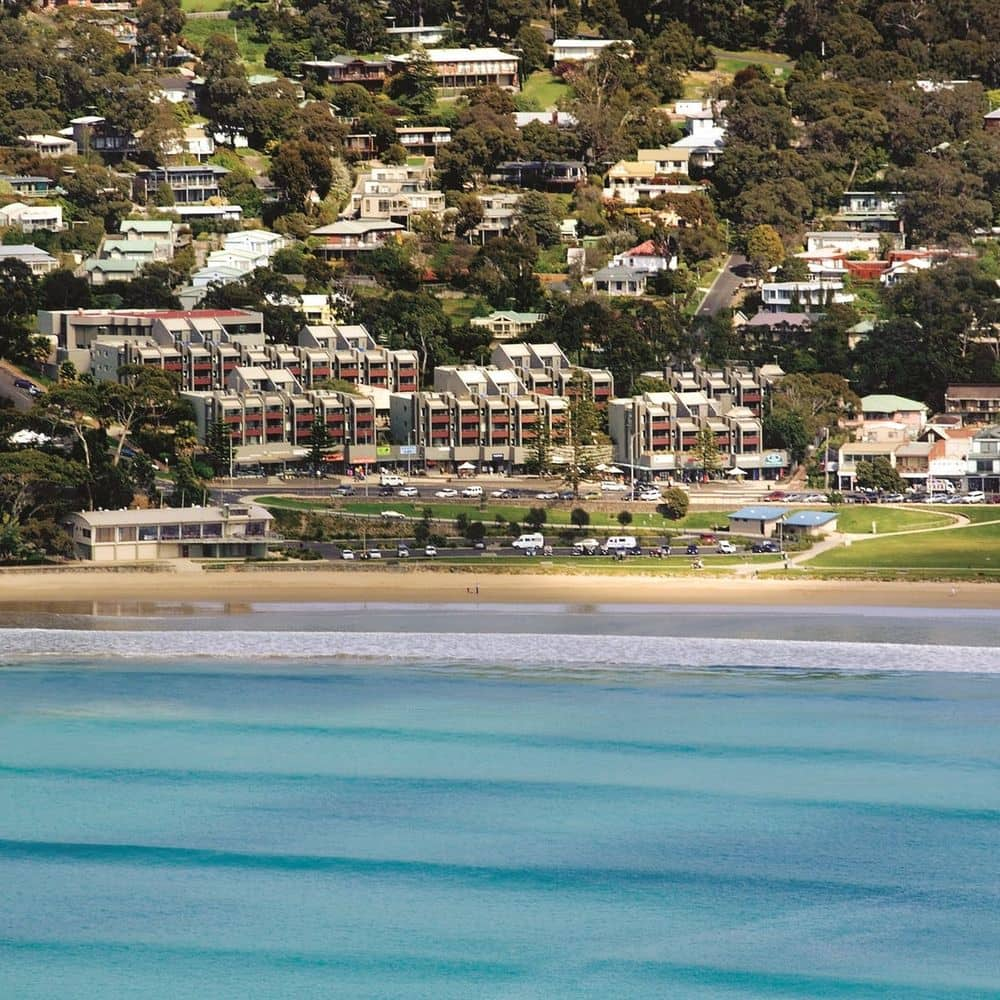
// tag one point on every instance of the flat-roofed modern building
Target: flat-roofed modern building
(230, 531)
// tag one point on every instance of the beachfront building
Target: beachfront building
(757, 522)
(544, 368)
(345, 239)
(803, 296)
(238, 531)
(810, 524)
(73, 333)
(395, 194)
(658, 431)
(983, 470)
(974, 403)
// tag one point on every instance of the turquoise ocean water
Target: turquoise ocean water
(577, 802)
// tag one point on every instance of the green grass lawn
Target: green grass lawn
(727, 64)
(542, 90)
(964, 549)
(200, 6)
(858, 519)
(976, 513)
(197, 31)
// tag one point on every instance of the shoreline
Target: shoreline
(24, 590)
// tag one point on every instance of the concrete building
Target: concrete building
(978, 403)
(803, 296)
(983, 470)
(757, 522)
(231, 531)
(810, 524)
(49, 146)
(423, 140)
(395, 194)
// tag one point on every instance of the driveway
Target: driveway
(724, 288)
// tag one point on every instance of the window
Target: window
(213, 530)
(169, 532)
(127, 533)
(104, 535)
(148, 533)
(190, 531)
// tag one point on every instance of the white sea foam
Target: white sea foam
(580, 654)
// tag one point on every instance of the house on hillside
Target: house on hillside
(647, 256)
(624, 281)
(462, 69)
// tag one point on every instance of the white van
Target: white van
(620, 543)
(388, 479)
(472, 491)
(586, 547)
(940, 486)
(530, 542)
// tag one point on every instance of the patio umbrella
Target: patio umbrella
(466, 467)
(736, 472)
(614, 470)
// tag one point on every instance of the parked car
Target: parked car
(472, 492)
(707, 538)
(393, 515)
(548, 495)
(501, 494)
(344, 491)
(653, 496)
(775, 495)
(402, 552)
(612, 487)
(692, 549)
(430, 551)
(726, 548)
(385, 491)
(566, 495)
(479, 545)
(347, 553)
(371, 554)
(408, 491)
(446, 493)
(586, 547)
(976, 496)
(765, 546)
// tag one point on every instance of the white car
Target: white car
(430, 551)
(501, 494)
(547, 496)
(393, 515)
(347, 553)
(473, 492)
(612, 487)
(408, 491)
(446, 493)
(653, 496)
(726, 548)
(976, 496)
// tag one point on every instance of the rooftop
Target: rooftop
(888, 403)
(169, 515)
(759, 514)
(810, 518)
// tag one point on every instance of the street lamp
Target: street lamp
(826, 460)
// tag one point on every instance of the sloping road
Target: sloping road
(723, 290)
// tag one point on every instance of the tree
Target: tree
(534, 50)
(219, 444)
(624, 518)
(878, 474)
(189, 487)
(299, 167)
(536, 517)
(579, 518)
(158, 27)
(706, 451)
(414, 85)
(534, 216)
(583, 424)
(320, 443)
(33, 483)
(675, 504)
(764, 249)
(538, 460)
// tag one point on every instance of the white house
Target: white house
(38, 261)
(257, 241)
(28, 218)
(625, 281)
(803, 296)
(846, 241)
(647, 257)
(580, 50)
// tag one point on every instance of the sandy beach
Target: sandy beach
(415, 586)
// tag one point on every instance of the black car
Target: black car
(386, 491)
(692, 549)
(765, 547)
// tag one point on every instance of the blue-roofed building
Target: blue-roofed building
(761, 521)
(811, 523)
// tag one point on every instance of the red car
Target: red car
(776, 495)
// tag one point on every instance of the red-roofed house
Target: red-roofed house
(649, 257)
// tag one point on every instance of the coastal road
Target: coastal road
(723, 290)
